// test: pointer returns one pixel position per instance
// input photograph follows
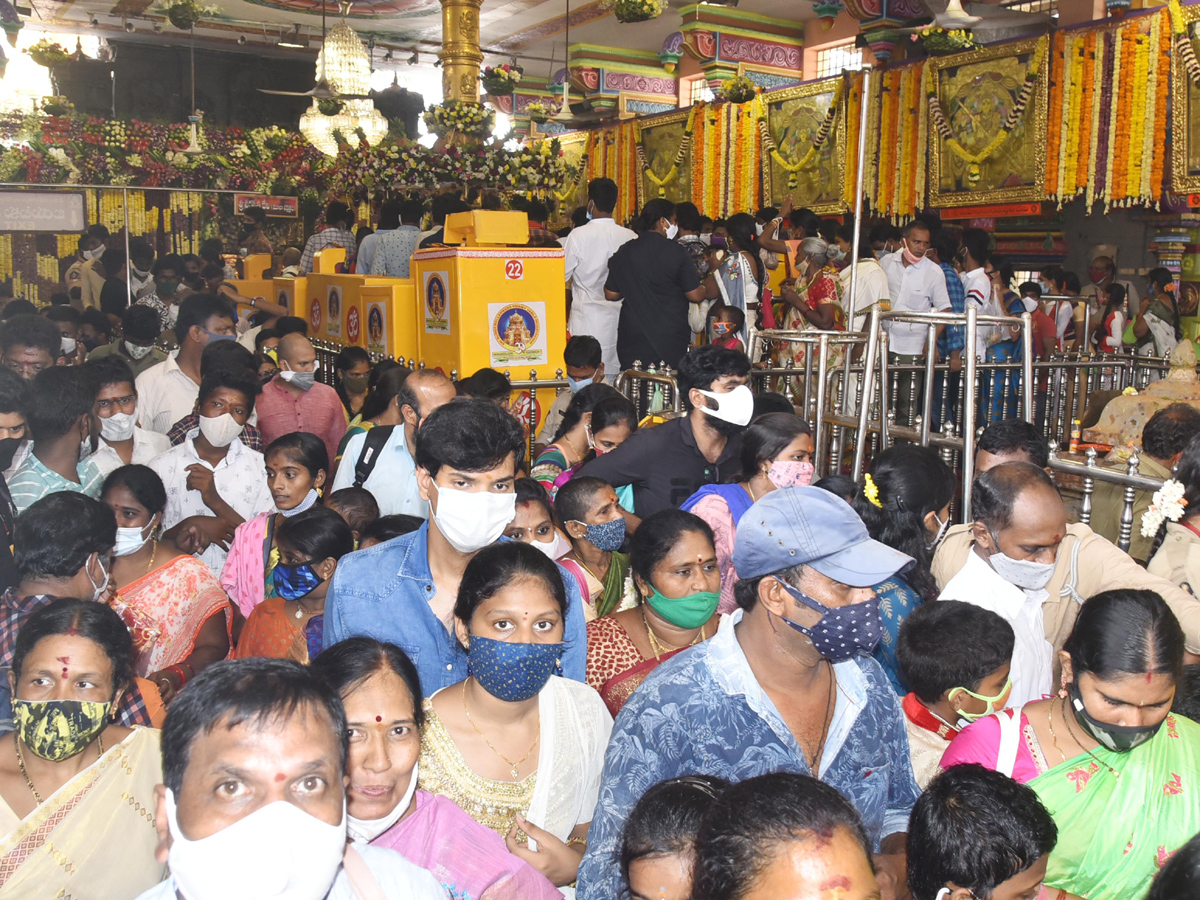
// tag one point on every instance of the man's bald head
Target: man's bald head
(423, 392)
(296, 353)
(1018, 512)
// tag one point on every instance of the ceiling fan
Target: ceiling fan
(985, 21)
(321, 90)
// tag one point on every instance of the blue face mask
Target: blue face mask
(294, 582)
(607, 536)
(512, 671)
(576, 386)
(844, 631)
(219, 337)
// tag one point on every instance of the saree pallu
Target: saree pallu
(620, 688)
(272, 632)
(826, 289)
(244, 575)
(94, 837)
(1116, 831)
(471, 862)
(550, 464)
(165, 610)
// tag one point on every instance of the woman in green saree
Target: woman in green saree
(1116, 769)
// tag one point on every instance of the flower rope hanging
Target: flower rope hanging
(810, 158)
(1014, 116)
(575, 183)
(685, 144)
(1183, 41)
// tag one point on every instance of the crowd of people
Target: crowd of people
(277, 632)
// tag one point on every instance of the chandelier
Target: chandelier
(344, 63)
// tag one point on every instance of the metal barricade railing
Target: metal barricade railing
(1090, 472)
(529, 410)
(640, 385)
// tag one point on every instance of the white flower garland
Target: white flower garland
(1166, 505)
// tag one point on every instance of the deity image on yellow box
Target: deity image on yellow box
(334, 328)
(376, 335)
(796, 165)
(436, 319)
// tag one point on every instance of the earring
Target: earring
(1062, 690)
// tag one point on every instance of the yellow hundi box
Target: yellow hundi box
(491, 305)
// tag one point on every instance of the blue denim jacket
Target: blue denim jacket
(384, 592)
(703, 712)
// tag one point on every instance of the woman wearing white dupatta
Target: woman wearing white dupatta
(76, 791)
(519, 749)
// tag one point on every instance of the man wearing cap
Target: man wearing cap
(787, 684)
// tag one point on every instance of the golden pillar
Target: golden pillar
(460, 54)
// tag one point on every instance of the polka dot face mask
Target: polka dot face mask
(844, 631)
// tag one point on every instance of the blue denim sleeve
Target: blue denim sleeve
(575, 633)
(333, 631)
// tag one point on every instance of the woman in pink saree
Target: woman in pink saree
(380, 690)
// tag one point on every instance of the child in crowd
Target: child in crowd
(590, 515)
(534, 520)
(357, 506)
(727, 325)
(975, 834)
(584, 364)
(290, 623)
(296, 468)
(956, 658)
(385, 528)
(659, 842)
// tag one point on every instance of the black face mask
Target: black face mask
(8, 449)
(1118, 738)
(247, 230)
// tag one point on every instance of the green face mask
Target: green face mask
(59, 729)
(993, 703)
(691, 611)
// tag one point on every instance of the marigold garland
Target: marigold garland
(685, 144)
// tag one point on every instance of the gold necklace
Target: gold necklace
(657, 648)
(1054, 737)
(153, 553)
(515, 765)
(37, 798)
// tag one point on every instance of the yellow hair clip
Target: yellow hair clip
(871, 490)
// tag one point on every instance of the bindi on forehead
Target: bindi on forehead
(379, 718)
(279, 776)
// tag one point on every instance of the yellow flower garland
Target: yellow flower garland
(810, 158)
(684, 145)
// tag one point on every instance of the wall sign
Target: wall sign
(56, 211)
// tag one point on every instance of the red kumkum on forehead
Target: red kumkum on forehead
(279, 776)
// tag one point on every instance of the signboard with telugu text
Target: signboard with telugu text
(276, 207)
(55, 211)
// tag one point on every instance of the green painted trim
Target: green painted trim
(697, 16)
(579, 53)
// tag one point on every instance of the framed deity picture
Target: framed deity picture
(1185, 114)
(987, 125)
(804, 152)
(668, 163)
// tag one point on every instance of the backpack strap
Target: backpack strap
(369, 455)
(1010, 741)
(363, 882)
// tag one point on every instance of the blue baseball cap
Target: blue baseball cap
(811, 526)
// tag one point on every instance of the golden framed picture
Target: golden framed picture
(804, 152)
(668, 164)
(1185, 116)
(972, 96)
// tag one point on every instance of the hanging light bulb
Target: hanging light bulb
(344, 63)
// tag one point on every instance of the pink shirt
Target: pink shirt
(318, 411)
(979, 743)
(715, 511)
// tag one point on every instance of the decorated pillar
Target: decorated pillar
(460, 54)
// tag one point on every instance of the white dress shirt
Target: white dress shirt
(920, 287)
(393, 480)
(978, 290)
(586, 252)
(870, 288)
(147, 446)
(165, 395)
(240, 478)
(1033, 655)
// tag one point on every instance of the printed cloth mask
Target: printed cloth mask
(8, 449)
(363, 831)
(68, 345)
(131, 540)
(943, 527)
(844, 631)
(993, 703)
(576, 386)
(470, 520)
(512, 671)
(722, 328)
(302, 380)
(220, 430)
(786, 473)
(355, 384)
(607, 536)
(137, 351)
(690, 611)
(735, 407)
(118, 426)
(1118, 738)
(555, 547)
(294, 582)
(1023, 573)
(672, 230)
(59, 729)
(278, 852)
(304, 505)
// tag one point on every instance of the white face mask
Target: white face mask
(309, 501)
(363, 831)
(735, 407)
(135, 351)
(1023, 573)
(142, 275)
(941, 532)
(470, 520)
(95, 253)
(220, 430)
(118, 426)
(131, 540)
(555, 547)
(98, 590)
(68, 346)
(672, 230)
(278, 852)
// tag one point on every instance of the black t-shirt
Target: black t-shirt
(653, 275)
(114, 297)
